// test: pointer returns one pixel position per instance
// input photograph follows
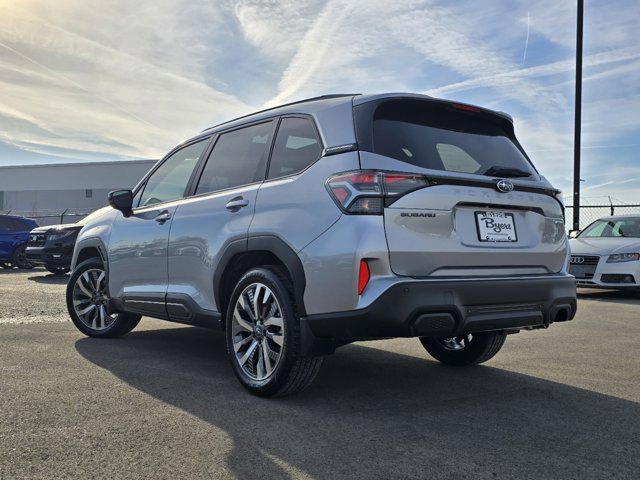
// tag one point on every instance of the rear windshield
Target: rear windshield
(442, 136)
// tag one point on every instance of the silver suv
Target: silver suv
(308, 226)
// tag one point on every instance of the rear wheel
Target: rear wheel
(463, 350)
(20, 258)
(87, 303)
(263, 335)
(57, 270)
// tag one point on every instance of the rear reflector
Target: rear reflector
(363, 277)
(367, 192)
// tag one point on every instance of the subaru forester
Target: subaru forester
(305, 227)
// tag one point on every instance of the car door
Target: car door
(7, 235)
(217, 215)
(137, 250)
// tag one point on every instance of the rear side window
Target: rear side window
(443, 137)
(238, 158)
(296, 147)
(169, 181)
(6, 225)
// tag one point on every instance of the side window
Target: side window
(12, 225)
(5, 225)
(296, 147)
(238, 158)
(20, 225)
(169, 181)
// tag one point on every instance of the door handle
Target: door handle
(236, 204)
(163, 217)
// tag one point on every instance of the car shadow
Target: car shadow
(50, 279)
(631, 297)
(376, 414)
(13, 271)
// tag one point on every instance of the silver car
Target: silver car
(308, 226)
(606, 254)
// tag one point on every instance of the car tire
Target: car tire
(20, 258)
(57, 270)
(87, 303)
(464, 350)
(262, 331)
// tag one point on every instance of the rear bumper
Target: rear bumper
(50, 256)
(448, 307)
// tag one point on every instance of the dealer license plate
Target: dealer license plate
(496, 226)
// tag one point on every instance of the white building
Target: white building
(49, 189)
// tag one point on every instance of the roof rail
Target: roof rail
(312, 99)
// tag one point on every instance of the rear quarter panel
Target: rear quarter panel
(299, 208)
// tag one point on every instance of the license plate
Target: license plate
(495, 226)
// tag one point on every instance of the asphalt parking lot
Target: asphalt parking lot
(162, 402)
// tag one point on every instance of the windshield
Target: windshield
(450, 137)
(622, 227)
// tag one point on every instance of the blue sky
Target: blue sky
(89, 80)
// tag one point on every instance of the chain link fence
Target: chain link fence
(51, 217)
(591, 213)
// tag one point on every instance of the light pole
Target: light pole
(578, 119)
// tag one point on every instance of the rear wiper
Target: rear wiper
(498, 171)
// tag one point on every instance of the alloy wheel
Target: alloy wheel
(257, 331)
(90, 299)
(456, 343)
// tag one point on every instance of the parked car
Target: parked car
(305, 227)
(52, 247)
(14, 233)
(606, 254)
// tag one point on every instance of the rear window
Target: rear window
(440, 136)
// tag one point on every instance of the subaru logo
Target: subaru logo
(577, 259)
(504, 186)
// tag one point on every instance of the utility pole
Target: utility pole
(578, 119)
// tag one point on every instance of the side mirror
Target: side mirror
(573, 233)
(122, 200)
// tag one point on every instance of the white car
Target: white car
(606, 254)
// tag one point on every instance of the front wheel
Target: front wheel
(88, 303)
(263, 335)
(464, 350)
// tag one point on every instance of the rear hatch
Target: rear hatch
(484, 209)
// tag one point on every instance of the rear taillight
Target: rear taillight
(367, 192)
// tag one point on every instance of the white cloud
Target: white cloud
(276, 28)
(512, 77)
(86, 93)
